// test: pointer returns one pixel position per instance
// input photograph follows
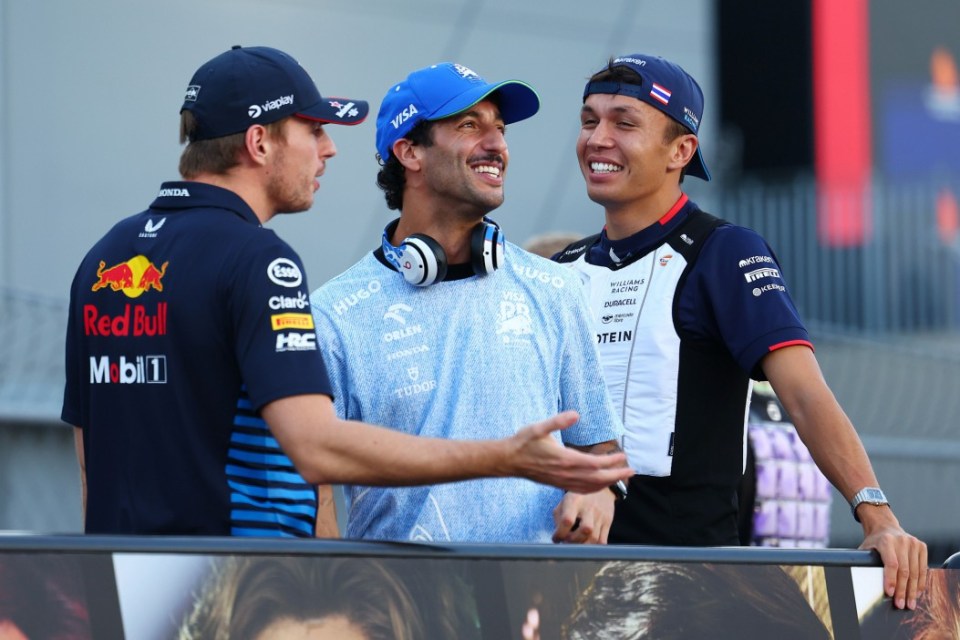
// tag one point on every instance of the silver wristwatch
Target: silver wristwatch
(619, 489)
(870, 495)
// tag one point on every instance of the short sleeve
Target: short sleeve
(736, 293)
(276, 345)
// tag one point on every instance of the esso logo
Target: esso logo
(285, 273)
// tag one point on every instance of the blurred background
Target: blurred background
(833, 128)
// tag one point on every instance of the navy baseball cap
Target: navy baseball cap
(443, 90)
(259, 85)
(665, 86)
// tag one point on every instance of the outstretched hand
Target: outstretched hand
(538, 456)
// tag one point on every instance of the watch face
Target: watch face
(874, 495)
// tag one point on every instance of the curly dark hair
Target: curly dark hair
(391, 178)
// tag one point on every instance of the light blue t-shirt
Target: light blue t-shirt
(472, 358)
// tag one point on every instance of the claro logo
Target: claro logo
(285, 273)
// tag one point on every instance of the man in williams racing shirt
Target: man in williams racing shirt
(687, 310)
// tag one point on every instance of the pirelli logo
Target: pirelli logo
(282, 321)
(766, 272)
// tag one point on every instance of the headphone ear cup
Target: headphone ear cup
(486, 248)
(423, 261)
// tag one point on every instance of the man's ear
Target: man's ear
(257, 143)
(407, 153)
(684, 148)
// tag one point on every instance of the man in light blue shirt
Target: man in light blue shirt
(446, 322)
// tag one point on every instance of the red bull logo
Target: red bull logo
(133, 277)
(135, 321)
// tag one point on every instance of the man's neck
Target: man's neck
(624, 220)
(451, 229)
(249, 191)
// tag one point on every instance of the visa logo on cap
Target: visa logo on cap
(403, 116)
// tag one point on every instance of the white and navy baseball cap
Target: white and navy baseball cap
(443, 90)
(665, 86)
(259, 85)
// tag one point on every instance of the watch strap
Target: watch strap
(869, 495)
(619, 489)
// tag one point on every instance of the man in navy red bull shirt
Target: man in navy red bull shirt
(687, 310)
(200, 400)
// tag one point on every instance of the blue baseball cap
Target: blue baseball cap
(443, 90)
(665, 86)
(259, 85)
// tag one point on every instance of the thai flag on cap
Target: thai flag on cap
(660, 94)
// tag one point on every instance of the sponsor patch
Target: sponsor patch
(343, 304)
(285, 272)
(133, 277)
(136, 320)
(283, 321)
(746, 262)
(286, 302)
(150, 229)
(759, 291)
(296, 342)
(757, 274)
(136, 370)
(344, 109)
(403, 115)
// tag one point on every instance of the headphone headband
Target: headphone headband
(422, 261)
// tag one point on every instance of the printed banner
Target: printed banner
(162, 596)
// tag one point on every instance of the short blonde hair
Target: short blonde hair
(214, 155)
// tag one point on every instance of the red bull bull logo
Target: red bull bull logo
(132, 277)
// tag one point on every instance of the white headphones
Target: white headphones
(422, 261)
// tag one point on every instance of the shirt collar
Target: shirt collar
(609, 252)
(192, 195)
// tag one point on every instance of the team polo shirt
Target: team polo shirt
(471, 357)
(683, 313)
(185, 320)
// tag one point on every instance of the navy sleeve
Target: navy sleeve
(736, 295)
(276, 345)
